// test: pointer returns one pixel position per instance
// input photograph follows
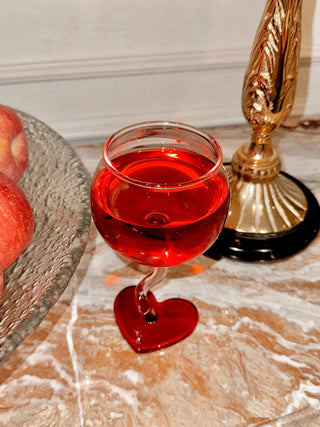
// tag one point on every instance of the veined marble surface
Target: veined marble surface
(253, 360)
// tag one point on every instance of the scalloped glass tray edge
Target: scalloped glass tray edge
(57, 186)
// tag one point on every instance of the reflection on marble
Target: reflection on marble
(254, 358)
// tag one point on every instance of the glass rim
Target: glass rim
(170, 124)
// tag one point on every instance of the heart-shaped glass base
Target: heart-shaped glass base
(176, 319)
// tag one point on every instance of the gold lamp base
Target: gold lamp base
(263, 201)
(272, 215)
(271, 246)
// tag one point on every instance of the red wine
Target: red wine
(157, 216)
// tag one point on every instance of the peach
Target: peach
(1, 282)
(13, 144)
(16, 222)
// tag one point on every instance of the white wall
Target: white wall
(88, 67)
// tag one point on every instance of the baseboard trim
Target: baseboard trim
(100, 128)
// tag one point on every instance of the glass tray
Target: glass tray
(57, 186)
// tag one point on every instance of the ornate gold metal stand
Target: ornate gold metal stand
(272, 215)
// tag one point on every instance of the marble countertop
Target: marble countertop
(253, 360)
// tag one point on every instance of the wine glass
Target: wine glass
(159, 197)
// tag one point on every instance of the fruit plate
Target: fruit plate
(57, 186)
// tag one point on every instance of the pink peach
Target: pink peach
(13, 144)
(16, 221)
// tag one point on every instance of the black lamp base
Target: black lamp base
(274, 246)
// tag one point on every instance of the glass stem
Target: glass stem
(144, 303)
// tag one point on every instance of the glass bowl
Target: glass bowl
(57, 187)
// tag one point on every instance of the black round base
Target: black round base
(270, 247)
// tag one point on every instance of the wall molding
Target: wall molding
(55, 91)
(88, 68)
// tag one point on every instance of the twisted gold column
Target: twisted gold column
(268, 206)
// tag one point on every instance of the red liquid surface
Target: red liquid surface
(157, 226)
